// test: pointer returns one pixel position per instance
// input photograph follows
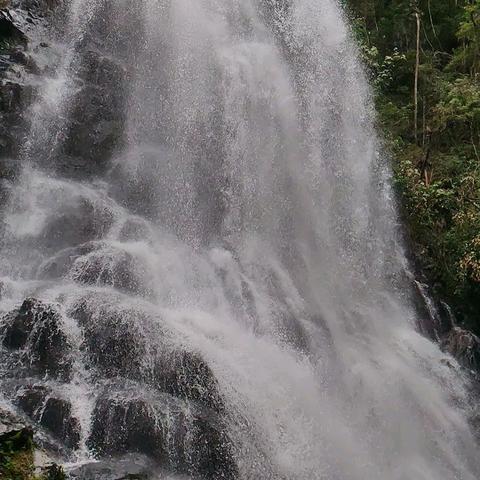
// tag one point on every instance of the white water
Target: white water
(264, 232)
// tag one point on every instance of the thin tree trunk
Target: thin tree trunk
(423, 122)
(415, 90)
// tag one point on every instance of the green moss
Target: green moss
(17, 452)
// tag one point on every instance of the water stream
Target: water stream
(207, 225)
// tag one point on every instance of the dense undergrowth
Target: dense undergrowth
(437, 157)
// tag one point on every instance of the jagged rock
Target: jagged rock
(36, 329)
(10, 29)
(58, 419)
(464, 346)
(17, 69)
(53, 413)
(180, 437)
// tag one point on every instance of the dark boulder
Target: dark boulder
(51, 412)
(186, 375)
(10, 29)
(464, 346)
(32, 398)
(14, 99)
(115, 344)
(126, 342)
(36, 329)
(57, 418)
(18, 326)
(177, 435)
(97, 116)
(128, 425)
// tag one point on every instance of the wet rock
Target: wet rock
(121, 342)
(178, 436)
(79, 223)
(464, 346)
(10, 28)
(114, 340)
(58, 419)
(18, 70)
(14, 98)
(19, 325)
(16, 446)
(60, 264)
(12, 429)
(187, 375)
(51, 412)
(9, 169)
(32, 398)
(120, 426)
(36, 329)
(101, 264)
(97, 114)
(128, 467)
(113, 267)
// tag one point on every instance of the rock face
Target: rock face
(13, 430)
(143, 394)
(464, 346)
(34, 331)
(184, 440)
(18, 71)
(16, 445)
(97, 115)
(52, 413)
(150, 397)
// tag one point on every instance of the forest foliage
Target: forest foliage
(437, 158)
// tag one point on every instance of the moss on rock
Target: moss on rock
(17, 452)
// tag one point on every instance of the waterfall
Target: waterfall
(202, 261)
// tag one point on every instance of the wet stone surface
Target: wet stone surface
(147, 397)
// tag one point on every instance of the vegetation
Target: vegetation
(17, 458)
(424, 60)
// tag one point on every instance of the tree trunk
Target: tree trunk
(415, 89)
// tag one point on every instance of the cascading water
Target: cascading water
(206, 240)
